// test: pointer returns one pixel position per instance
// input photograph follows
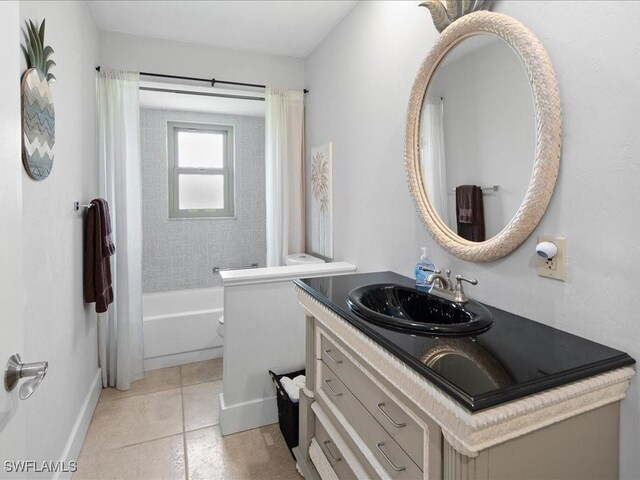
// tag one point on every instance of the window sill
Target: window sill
(201, 218)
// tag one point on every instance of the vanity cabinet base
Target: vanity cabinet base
(585, 446)
(306, 467)
(364, 412)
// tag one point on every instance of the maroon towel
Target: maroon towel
(97, 250)
(470, 213)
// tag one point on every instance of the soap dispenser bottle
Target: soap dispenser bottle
(424, 268)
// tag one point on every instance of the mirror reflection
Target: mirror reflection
(474, 368)
(477, 134)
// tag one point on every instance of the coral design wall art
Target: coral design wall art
(321, 201)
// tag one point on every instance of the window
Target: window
(200, 170)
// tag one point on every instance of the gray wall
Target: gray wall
(59, 326)
(180, 253)
(360, 77)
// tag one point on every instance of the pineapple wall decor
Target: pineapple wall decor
(445, 12)
(38, 116)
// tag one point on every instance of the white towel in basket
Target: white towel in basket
(292, 386)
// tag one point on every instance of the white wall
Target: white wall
(264, 334)
(360, 78)
(154, 55)
(60, 328)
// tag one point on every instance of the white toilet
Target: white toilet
(301, 259)
(220, 329)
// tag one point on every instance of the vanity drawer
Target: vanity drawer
(391, 416)
(333, 455)
(394, 460)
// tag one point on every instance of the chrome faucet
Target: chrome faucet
(442, 282)
(442, 286)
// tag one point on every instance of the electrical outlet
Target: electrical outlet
(554, 267)
(550, 263)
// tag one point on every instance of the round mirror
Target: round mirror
(478, 137)
(483, 136)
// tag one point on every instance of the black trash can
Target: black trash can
(288, 410)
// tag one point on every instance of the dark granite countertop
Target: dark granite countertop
(515, 358)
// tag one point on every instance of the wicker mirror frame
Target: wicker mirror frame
(548, 118)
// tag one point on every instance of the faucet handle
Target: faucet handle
(435, 270)
(458, 293)
(461, 279)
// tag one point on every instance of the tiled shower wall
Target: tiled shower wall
(180, 253)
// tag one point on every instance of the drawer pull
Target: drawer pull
(326, 445)
(386, 415)
(328, 385)
(328, 354)
(393, 465)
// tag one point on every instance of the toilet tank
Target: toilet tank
(301, 259)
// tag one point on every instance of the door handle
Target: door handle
(16, 370)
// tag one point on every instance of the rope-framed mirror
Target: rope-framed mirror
(546, 133)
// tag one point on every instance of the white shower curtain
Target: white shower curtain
(120, 343)
(433, 156)
(284, 152)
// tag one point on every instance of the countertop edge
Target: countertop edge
(466, 431)
(284, 273)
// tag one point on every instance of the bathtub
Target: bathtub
(180, 326)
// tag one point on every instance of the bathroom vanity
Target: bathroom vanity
(520, 400)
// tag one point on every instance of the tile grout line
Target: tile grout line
(137, 394)
(184, 429)
(203, 381)
(208, 426)
(161, 389)
(109, 449)
(217, 423)
(127, 445)
(205, 426)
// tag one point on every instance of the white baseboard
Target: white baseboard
(172, 360)
(247, 415)
(72, 449)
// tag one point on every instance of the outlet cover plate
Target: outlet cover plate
(555, 268)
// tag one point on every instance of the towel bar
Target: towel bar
(77, 206)
(219, 269)
(494, 188)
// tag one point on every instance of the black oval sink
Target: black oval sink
(418, 311)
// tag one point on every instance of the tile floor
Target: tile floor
(166, 427)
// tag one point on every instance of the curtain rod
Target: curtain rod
(211, 81)
(202, 94)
